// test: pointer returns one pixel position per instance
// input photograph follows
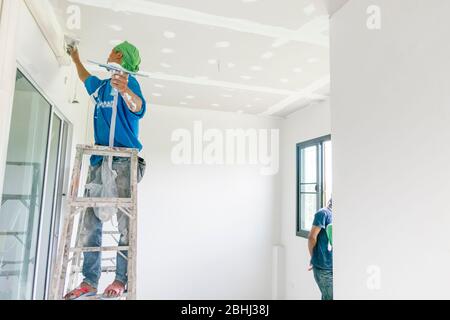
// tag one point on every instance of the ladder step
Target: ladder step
(111, 232)
(102, 202)
(96, 249)
(100, 297)
(103, 233)
(110, 259)
(107, 151)
(106, 269)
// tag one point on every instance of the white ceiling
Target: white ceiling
(267, 57)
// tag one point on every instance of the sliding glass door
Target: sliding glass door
(49, 222)
(32, 188)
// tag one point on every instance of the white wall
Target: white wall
(306, 124)
(390, 120)
(39, 62)
(205, 232)
(8, 26)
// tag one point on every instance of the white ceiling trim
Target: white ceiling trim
(305, 94)
(315, 30)
(309, 33)
(163, 106)
(204, 82)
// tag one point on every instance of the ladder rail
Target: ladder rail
(132, 225)
(77, 256)
(58, 279)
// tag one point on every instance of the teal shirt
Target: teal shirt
(322, 258)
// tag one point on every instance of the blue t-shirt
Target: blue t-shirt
(322, 258)
(127, 122)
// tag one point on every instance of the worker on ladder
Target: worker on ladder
(131, 107)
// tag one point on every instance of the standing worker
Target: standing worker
(321, 251)
(131, 107)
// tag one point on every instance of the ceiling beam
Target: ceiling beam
(204, 82)
(304, 94)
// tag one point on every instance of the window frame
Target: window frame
(319, 142)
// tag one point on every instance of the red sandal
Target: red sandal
(117, 287)
(80, 293)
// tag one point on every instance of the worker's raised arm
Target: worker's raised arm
(83, 74)
(129, 91)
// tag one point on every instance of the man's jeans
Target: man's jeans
(324, 279)
(92, 226)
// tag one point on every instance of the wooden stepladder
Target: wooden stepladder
(69, 260)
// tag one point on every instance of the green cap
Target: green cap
(131, 58)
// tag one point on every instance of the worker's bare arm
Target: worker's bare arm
(312, 239)
(133, 101)
(83, 74)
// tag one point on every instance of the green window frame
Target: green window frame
(311, 193)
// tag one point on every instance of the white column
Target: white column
(277, 272)
(8, 25)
